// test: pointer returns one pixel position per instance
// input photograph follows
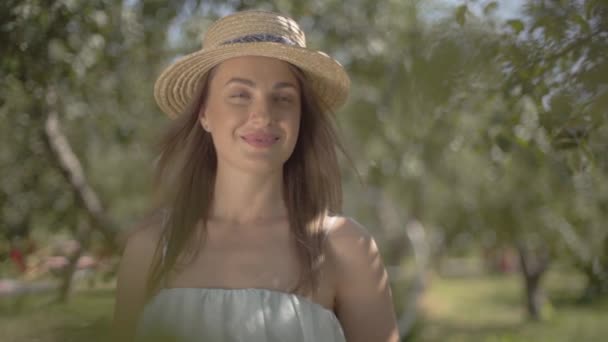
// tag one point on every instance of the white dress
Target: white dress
(235, 315)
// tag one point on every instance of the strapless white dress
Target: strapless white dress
(236, 315)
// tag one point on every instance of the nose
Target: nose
(261, 112)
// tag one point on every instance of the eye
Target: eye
(240, 95)
(284, 99)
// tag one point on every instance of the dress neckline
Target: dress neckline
(250, 290)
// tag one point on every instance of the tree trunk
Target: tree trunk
(420, 246)
(534, 295)
(593, 265)
(83, 236)
(67, 276)
(71, 168)
(534, 263)
(597, 280)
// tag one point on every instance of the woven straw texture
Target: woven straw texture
(228, 38)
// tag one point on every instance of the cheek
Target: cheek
(294, 121)
(296, 126)
(224, 119)
(225, 130)
(292, 125)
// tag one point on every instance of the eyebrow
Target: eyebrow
(252, 84)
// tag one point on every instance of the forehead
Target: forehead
(256, 68)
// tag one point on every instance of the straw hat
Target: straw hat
(251, 33)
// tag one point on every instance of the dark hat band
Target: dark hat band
(261, 37)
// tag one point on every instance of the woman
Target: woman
(248, 246)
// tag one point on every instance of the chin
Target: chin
(259, 163)
(261, 168)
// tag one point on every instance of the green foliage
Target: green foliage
(560, 67)
(461, 14)
(97, 59)
(490, 8)
(516, 24)
(488, 131)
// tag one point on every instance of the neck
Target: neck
(242, 197)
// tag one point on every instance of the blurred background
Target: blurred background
(478, 132)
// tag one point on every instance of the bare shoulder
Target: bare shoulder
(140, 251)
(144, 237)
(363, 297)
(348, 240)
(352, 252)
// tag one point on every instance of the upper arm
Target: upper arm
(133, 272)
(364, 302)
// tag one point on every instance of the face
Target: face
(253, 112)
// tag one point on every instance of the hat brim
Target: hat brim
(177, 84)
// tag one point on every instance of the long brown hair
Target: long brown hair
(185, 177)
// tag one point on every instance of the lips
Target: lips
(260, 139)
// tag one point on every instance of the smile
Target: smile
(260, 139)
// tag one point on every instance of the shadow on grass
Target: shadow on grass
(95, 331)
(460, 328)
(597, 304)
(39, 317)
(571, 320)
(24, 304)
(31, 303)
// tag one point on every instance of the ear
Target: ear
(202, 119)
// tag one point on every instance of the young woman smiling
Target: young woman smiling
(249, 243)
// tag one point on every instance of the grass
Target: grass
(490, 309)
(86, 317)
(479, 308)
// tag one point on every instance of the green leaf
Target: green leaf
(584, 24)
(516, 24)
(490, 7)
(461, 13)
(590, 8)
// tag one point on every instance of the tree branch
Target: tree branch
(71, 168)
